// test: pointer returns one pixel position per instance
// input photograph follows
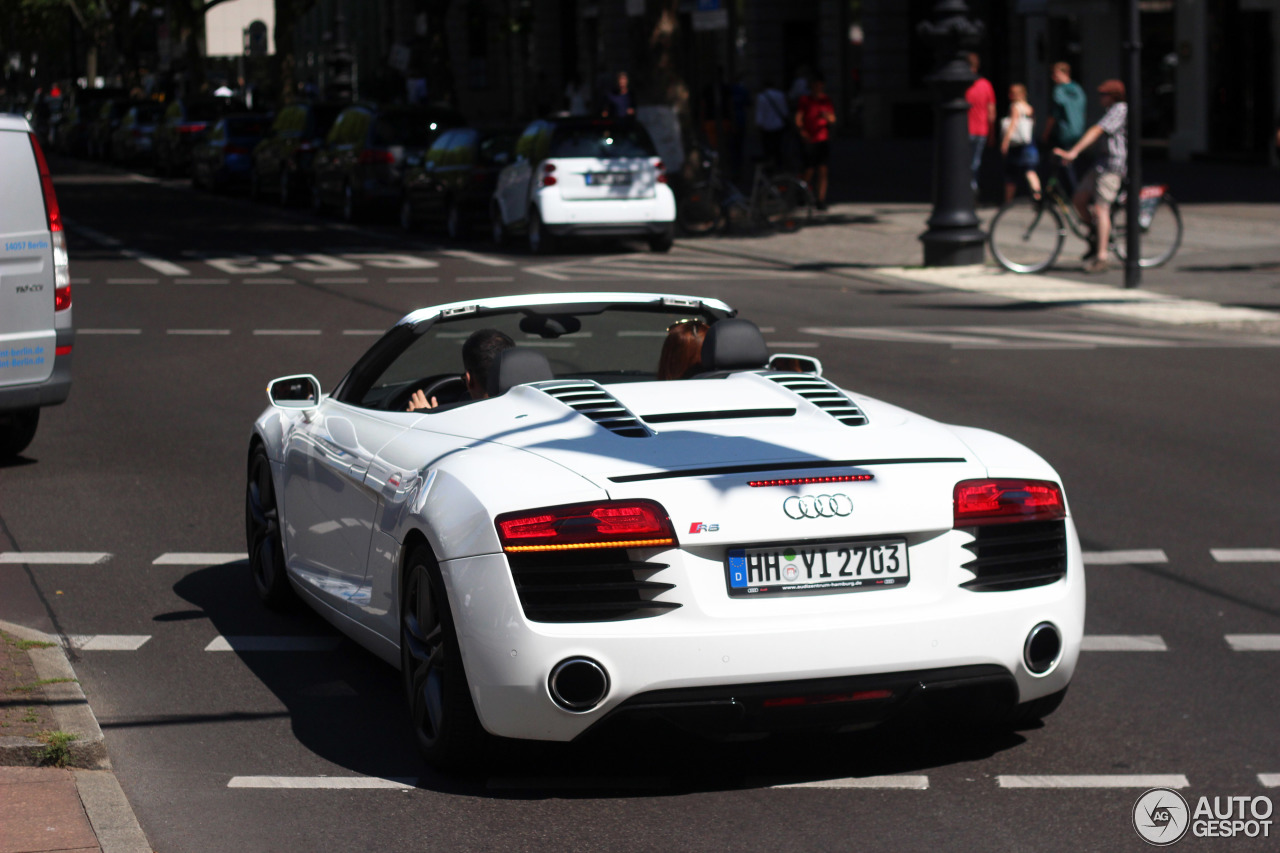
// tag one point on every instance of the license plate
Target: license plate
(845, 566)
(608, 179)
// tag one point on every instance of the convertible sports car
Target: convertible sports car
(750, 549)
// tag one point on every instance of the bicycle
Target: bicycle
(1027, 234)
(778, 201)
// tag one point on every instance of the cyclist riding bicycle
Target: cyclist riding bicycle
(1099, 189)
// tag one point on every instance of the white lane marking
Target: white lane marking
(1246, 555)
(549, 273)
(363, 332)
(106, 642)
(108, 331)
(321, 782)
(144, 179)
(1269, 780)
(205, 281)
(204, 558)
(1254, 642)
(487, 260)
(1118, 780)
(133, 281)
(1120, 643)
(1082, 337)
(476, 279)
(197, 331)
(318, 263)
(341, 281)
(267, 281)
(272, 644)
(55, 558)
(901, 783)
(242, 266)
(286, 331)
(161, 266)
(80, 280)
(412, 279)
(901, 335)
(1124, 558)
(543, 783)
(793, 344)
(385, 261)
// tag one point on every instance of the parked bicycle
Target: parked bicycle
(1026, 234)
(778, 201)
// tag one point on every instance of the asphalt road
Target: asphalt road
(187, 304)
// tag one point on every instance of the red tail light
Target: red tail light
(46, 186)
(1002, 501)
(375, 157)
(662, 171)
(548, 179)
(192, 127)
(61, 266)
(608, 524)
(62, 298)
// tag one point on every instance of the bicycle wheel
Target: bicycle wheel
(788, 204)
(1161, 234)
(699, 211)
(1026, 235)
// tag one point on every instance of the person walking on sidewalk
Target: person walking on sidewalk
(1066, 122)
(1099, 190)
(1017, 145)
(982, 119)
(771, 119)
(814, 116)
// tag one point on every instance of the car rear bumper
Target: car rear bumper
(50, 391)
(608, 216)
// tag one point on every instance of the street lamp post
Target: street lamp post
(953, 238)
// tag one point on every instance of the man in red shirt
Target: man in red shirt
(814, 116)
(982, 118)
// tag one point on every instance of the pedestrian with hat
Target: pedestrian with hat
(1099, 189)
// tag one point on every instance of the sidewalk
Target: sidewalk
(76, 805)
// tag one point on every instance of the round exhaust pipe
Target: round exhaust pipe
(1043, 648)
(578, 684)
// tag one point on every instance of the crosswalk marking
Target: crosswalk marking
(285, 332)
(1120, 643)
(1254, 642)
(106, 642)
(201, 558)
(648, 267)
(1118, 780)
(272, 644)
(55, 558)
(1246, 555)
(108, 331)
(1269, 780)
(322, 782)
(1124, 558)
(487, 260)
(900, 783)
(161, 266)
(133, 281)
(197, 331)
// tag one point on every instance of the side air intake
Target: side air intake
(589, 399)
(822, 394)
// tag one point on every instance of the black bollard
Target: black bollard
(953, 238)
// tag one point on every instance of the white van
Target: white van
(36, 335)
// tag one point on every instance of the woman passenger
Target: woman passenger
(682, 350)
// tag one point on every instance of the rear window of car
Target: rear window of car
(602, 140)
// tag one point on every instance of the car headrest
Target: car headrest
(734, 345)
(516, 366)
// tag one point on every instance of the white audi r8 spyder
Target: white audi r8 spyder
(749, 549)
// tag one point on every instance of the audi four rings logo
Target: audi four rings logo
(817, 506)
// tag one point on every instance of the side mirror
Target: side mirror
(790, 363)
(294, 392)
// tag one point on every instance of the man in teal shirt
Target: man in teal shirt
(1066, 123)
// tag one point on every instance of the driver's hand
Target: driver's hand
(419, 401)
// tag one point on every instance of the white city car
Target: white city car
(749, 549)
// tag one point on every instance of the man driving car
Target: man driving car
(478, 354)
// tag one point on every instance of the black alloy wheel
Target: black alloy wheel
(262, 532)
(454, 225)
(445, 725)
(541, 241)
(350, 205)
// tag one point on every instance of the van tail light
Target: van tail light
(661, 168)
(607, 524)
(376, 157)
(58, 237)
(979, 502)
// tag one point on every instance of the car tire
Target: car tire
(497, 231)
(351, 211)
(1029, 713)
(541, 241)
(455, 227)
(445, 725)
(17, 429)
(663, 241)
(408, 222)
(262, 534)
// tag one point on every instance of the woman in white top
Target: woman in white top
(1021, 159)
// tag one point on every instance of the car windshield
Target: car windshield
(604, 140)
(621, 344)
(415, 128)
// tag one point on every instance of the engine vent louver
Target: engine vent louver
(1017, 556)
(587, 586)
(822, 394)
(589, 399)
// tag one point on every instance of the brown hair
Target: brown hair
(1062, 68)
(682, 350)
(1114, 88)
(1019, 90)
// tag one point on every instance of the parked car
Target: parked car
(359, 168)
(584, 177)
(282, 161)
(132, 140)
(222, 156)
(451, 185)
(36, 335)
(73, 130)
(176, 133)
(103, 124)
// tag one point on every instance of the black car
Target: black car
(221, 158)
(452, 184)
(282, 161)
(132, 138)
(359, 167)
(178, 131)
